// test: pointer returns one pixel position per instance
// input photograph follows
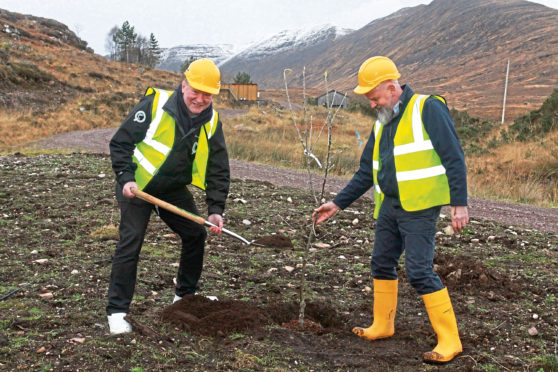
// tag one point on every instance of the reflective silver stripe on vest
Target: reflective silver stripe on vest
(163, 149)
(418, 144)
(144, 162)
(375, 163)
(212, 121)
(377, 127)
(376, 167)
(420, 173)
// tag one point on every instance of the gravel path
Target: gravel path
(544, 219)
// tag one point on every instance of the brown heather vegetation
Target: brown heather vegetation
(48, 86)
(519, 172)
(265, 135)
(525, 172)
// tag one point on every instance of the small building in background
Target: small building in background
(333, 98)
(240, 92)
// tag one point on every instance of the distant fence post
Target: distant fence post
(505, 92)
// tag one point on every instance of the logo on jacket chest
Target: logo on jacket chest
(194, 147)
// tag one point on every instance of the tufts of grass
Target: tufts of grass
(266, 136)
(105, 232)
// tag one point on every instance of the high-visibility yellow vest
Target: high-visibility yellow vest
(421, 177)
(151, 153)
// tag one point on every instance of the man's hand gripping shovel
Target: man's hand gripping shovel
(181, 212)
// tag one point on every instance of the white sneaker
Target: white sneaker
(176, 298)
(118, 325)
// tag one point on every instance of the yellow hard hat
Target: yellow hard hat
(203, 75)
(374, 71)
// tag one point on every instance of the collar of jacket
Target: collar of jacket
(403, 101)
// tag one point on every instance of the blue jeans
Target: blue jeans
(413, 232)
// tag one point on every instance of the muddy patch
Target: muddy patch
(466, 274)
(201, 315)
(274, 241)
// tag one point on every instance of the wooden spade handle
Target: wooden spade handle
(169, 207)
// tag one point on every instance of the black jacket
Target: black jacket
(439, 125)
(176, 172)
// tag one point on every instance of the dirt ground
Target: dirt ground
(58, 219)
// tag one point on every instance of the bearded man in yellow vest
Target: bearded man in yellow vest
(415, 163)
(169, 140)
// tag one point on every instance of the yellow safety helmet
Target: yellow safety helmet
(374, 71)
(203, 75)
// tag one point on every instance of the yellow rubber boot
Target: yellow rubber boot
(442, 317)
(385, 304)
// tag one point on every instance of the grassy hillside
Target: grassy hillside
(519, 162)
(53, 84)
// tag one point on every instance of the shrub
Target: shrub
(359, 104)
(470, 130)
(537, 123)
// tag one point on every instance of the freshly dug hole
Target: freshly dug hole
(274, 241)
(198, 314)
(201, 315)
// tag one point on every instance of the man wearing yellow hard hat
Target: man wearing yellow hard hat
(415, 163)
(170, 139)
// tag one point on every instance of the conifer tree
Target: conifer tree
(186, 64)
(125, 39)
(154, 52)
(242, 78)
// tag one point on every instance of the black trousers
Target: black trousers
(134, 217)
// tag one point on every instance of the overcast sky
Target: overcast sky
(236, 22)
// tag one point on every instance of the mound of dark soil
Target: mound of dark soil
(463, 273)
(200, 315)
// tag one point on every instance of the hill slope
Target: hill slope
(458, 49)
(50, 82)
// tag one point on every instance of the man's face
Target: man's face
(382, 99)
(196, 101)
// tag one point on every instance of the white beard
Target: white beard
(384, 114)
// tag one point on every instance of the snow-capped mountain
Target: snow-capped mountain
(286, 49)
(173, 58)
(289, 40)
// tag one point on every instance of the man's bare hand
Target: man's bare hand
(324, 212)
(127, 189)
(217, 220)
(459, 218)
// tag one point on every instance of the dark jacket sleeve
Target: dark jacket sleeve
(218, 173)
(362, 180)
(131, 132)
(440, 127)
